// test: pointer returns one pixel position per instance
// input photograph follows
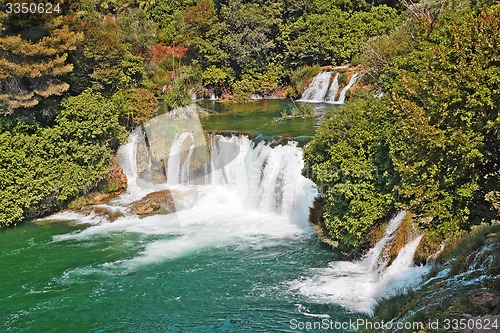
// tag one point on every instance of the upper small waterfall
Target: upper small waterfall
(316, 91)
(333, 90)
(323, 90)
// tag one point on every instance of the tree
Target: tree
(349, 160)
(334, 36)
(33, 63)
(251, 36)
(445, 96)
(135, 106)
(41, 171)
(137, 30)
(168, 15)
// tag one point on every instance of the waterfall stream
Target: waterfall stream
(247, 195)
(357, 285)
(320, 90)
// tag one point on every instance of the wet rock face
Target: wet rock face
(117, 179)
(163, 202)
(154, 203)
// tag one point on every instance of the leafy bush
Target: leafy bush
(349, 161)
(187, 81)
(445, 96)
(40, 171)
(135, 106)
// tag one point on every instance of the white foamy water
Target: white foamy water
(247, 195)
(252, 194)
(320, 90)
(356, 285)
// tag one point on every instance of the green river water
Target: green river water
(218, 268)
(70, 286)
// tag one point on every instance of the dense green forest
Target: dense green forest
(72, 83)
(430, 141)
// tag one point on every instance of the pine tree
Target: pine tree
(33, 61)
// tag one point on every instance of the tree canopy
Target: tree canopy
(431, 143)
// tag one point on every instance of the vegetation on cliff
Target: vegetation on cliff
(430, 143)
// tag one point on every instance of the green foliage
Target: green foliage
(41, 171)
(135, 106)
(168, 15)
(251, 33)
(132, 72)
(253, 82)
(215, 77)
(445, 96)
(180, 90)
(137, 30)
(349, 161)
(334, 36)
(432, 142)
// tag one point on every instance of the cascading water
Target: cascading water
(269, 179)
(222, 262)
(316, 91)
(333, 90)
(247, 195)
(246, 192)
(320, 90)
(178, 165)
(352, 81)
(251, 190)
(357, 285)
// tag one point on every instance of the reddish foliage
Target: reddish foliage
(199, 15)
(159, 52)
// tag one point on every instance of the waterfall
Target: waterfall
(333, 90)
(373, 259)
(178, 167)
(316, 91)
(267, 178)
(321, 91)
(357, 285)
(352, 81)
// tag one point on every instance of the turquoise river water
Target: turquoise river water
(241, 257)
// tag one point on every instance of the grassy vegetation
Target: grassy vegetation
(300, 110)
(463, 284)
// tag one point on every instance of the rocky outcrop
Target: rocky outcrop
(163, 202)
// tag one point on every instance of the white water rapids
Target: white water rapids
(357, 285)
(321, 90)
(248, 195)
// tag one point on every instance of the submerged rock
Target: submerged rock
(108, 212)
